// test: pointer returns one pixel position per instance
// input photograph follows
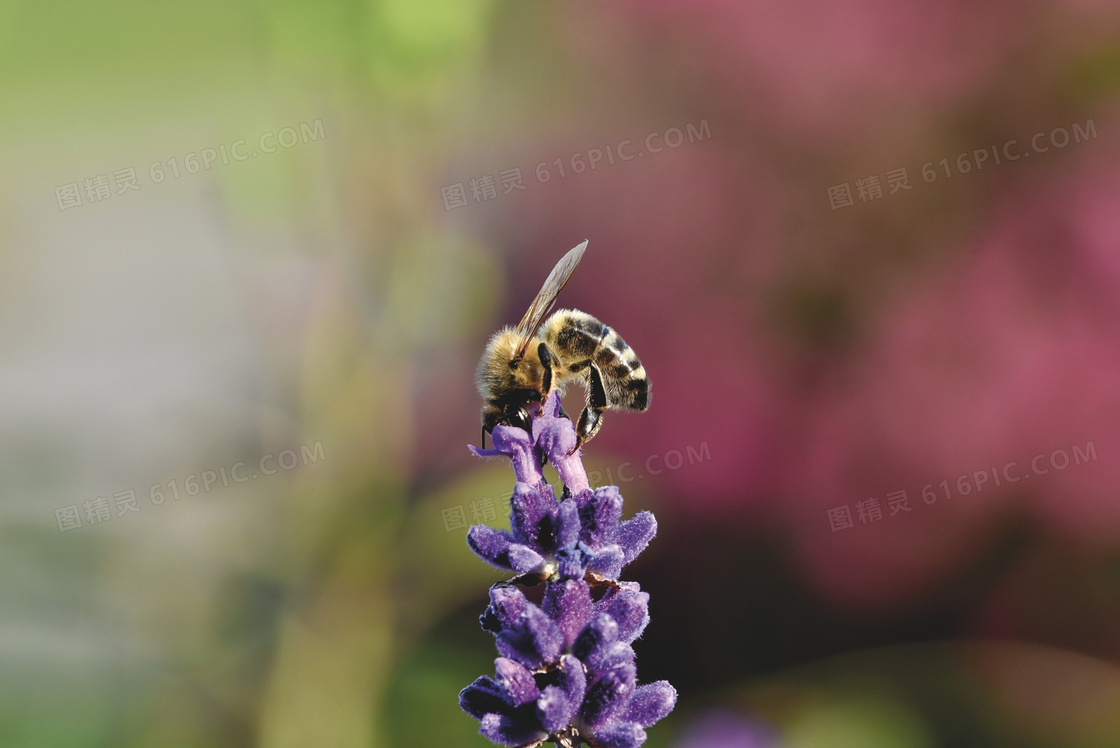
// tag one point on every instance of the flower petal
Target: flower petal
(599, 516)
(556, 436)
(486, 454)
(574, 681)
(621, 735)
(567, 524)
(531, 514)
(553, 709)
(534, 641)
(607, 694)
(599, 634)
(629, 607)
(518, 446)
(607, 560)
(491, 545)
(516, 681)
(497, 547)
(649, 703)
(519, 728)
(524, 559)
(508, 604)
(634, 535)
(569, 604)
(482, 697)
(612, 656)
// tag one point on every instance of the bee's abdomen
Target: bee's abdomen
(574, 336)
(578, 339)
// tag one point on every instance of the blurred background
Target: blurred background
(869, 253)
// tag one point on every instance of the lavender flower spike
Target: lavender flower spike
(566, 673)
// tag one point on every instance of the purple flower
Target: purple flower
(725, 729)
(519, 706)
(580, 533)
(566, 671)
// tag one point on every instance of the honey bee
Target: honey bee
(521, 365)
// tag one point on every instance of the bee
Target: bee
(521, 365)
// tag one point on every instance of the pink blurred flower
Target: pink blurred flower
(841, 67)
(1006, 353)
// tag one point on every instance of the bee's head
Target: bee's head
(526, 371)
(510, 381)
(516, 411)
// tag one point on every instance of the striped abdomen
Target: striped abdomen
(579, 340)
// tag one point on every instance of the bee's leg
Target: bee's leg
(591, 419)
(492, 415)
(547, 360)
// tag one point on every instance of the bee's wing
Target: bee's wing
(546, 299)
